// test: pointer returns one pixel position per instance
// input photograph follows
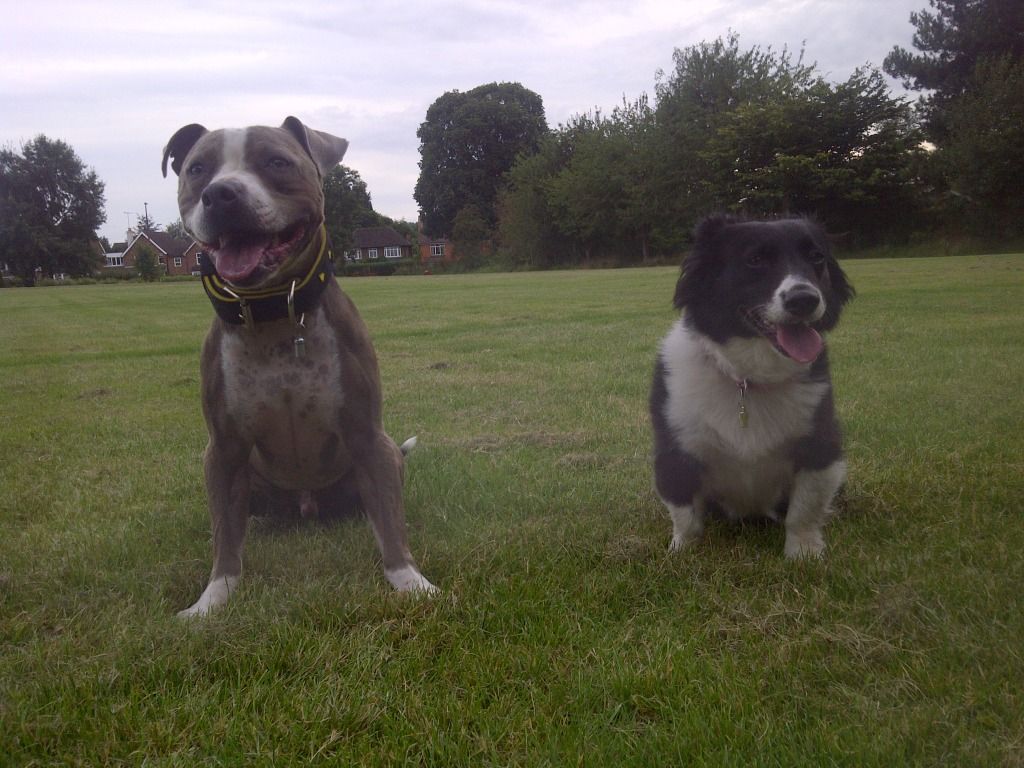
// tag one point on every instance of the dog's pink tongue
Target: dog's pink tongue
(236, 261)
(800, 342)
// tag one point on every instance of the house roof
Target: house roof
(377, 237)
(166, 244)
(428, 240)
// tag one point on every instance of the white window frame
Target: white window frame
(177, 261)
(392, 252)
(198, 254)
(437, 250)
(371, 253)
(115, 261)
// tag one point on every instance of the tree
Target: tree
(527, 221)
(602, 196)
(983, 155)
(844, 152)
(709, 82)
(471, 237)
(176, 229)
(467, 144)
(347, 207)
(147, 263)
(50, 208)
(146, 223)
(952, 41)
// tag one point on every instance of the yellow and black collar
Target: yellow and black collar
(239, 306)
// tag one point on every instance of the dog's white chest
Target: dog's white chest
(285, 405)
(745, 459)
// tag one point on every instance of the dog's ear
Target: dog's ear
(178, 147)
(325, 149)
(710, 226)
(704, 235)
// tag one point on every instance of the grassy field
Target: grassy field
(566, 634)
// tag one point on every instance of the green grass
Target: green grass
(566, 633)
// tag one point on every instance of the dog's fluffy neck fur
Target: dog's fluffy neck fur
(702, 371)
(752, 361)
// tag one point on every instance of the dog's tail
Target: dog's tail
(408, 445)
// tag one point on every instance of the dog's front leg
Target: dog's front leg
(379, 484)
(809, 507)
(227, 488)
(677, 479)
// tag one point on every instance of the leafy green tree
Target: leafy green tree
(50, 208)
(528, 232)
(844, 152)
(347, 206)
(467, 144)
(983, 155)
(147, 263)
(471, 237)
(952, 41)
(603, 197)
(696, 100)
(146, 223)
(176, 229)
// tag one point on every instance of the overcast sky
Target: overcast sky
(115, 79)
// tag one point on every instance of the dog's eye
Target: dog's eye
(278, 163)
(196, 169)
(756, 260)
(817, 258)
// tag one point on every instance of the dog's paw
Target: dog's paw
(804, 545)
(680, 542)
(214, 596)
(409, 579)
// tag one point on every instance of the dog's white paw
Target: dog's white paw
(681, 542)
(214, 596)
(804, 545)
(408, 579)
(407, 447)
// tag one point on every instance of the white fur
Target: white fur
(747, 469)
(703, 397)
(809, 509)
(687, 524)
(775, 310)
(214, 596)
(409, 579)
(273, 398)
(234, 166)
(407, 447)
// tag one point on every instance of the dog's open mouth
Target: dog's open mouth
(242, 256)
(794, 340)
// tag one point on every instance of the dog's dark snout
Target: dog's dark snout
(801, 300)
(220, 194)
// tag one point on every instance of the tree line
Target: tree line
(744, 130)
(751, 131)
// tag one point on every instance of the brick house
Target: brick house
(435, 250)
(177, 257)
(378, 243)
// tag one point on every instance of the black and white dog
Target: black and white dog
(741, 404)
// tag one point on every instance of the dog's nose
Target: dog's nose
(801, 300)
(220, 195)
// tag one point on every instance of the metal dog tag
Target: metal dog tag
(300, 347)
(743, 405)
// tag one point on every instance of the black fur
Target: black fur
(719, 267)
